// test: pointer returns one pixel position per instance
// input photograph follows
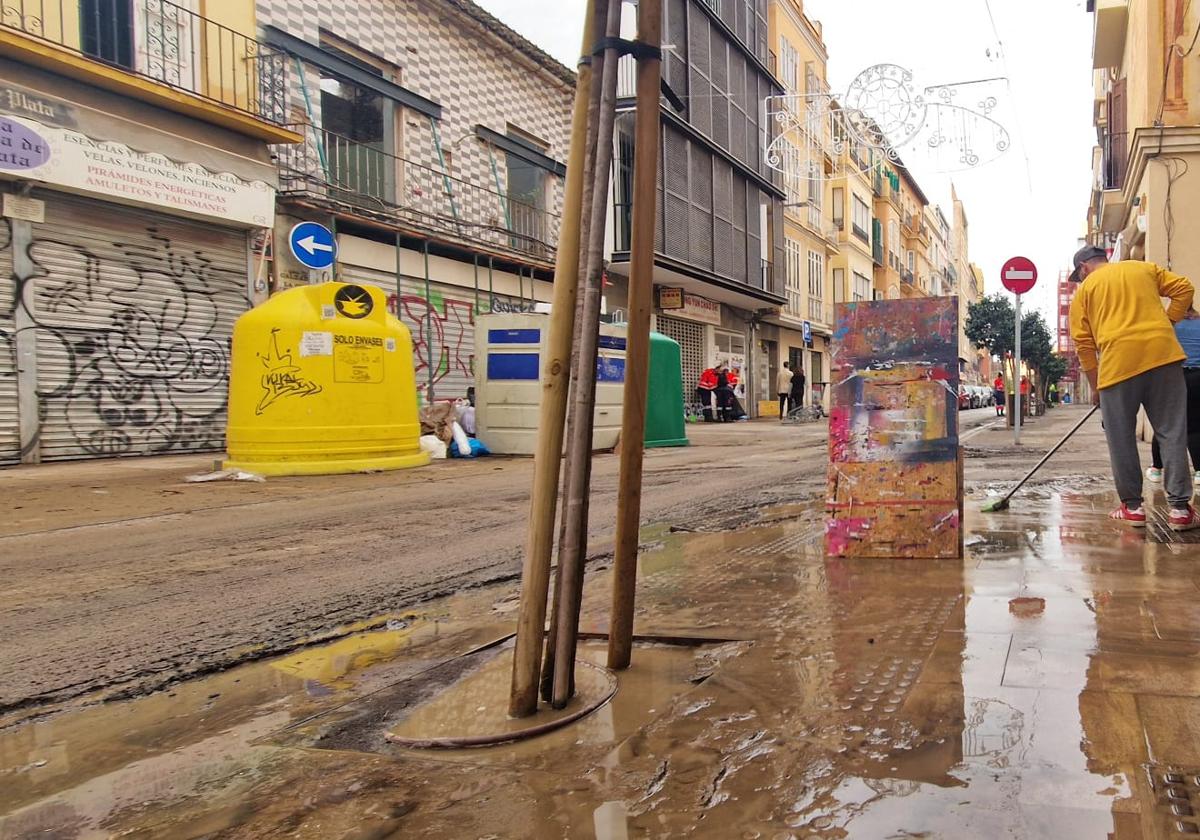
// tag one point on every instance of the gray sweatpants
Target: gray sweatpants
(1162, 392)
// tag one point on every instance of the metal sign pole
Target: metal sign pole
(1017, 377)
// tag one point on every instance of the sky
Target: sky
(1030, 200)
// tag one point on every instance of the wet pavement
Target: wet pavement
(1046, 686)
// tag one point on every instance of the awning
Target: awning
(525, 152)
(726, 291)
(338, 66)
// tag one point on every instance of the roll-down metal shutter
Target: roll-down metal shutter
(10, 439)
(134, 316)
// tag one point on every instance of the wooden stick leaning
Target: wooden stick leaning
(535, 575)
(573, 550)
(637, 348)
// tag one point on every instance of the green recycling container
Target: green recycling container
(664, 407)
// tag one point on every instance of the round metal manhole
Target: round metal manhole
(474, 711)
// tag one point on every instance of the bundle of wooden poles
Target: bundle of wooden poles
(570, 371)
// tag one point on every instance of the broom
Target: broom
(1002, 503)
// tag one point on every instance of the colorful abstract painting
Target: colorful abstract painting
(895, 472)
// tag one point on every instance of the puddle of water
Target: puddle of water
(1018, 693)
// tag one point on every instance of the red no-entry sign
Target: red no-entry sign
(1018, 275)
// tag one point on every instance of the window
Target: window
(839, 284)
(893, 241)
(862, 287)
(793, 280)
(731, 348)
(816, 276)
(789, 66)
(815, 200)
(358, 126)
(912, 261)
(862, 219)
(106, 29)
(793, 180)
(526, 192)
(839, 207)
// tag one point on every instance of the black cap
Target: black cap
(1087, 252)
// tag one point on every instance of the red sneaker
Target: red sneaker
(1135, 517)
(1183, 519)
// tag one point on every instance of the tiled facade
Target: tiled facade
(453, 53)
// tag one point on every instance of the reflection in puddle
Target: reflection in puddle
(1016, 694)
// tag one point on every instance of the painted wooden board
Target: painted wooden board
(895, 484)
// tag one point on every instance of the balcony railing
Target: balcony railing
(397, 190)
(165, 43)
(1115, 160)
(861, 234)
(816, 310)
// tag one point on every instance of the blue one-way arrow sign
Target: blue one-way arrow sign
(312, 244)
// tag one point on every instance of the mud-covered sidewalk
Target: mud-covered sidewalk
(1047, 686)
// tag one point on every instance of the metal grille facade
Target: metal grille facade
(690, 337)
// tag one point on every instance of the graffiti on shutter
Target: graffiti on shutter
(442, 324)
(133, 314)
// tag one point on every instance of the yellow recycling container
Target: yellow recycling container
(322, 382)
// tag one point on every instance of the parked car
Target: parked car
(964, 397)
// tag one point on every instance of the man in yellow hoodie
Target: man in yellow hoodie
(1118, 315)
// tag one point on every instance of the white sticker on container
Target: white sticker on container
(328, 310)
(390, 345)
(316, 344)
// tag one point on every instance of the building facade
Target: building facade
(1072, 383)
(1147, 117)
(718, 240)
(137, 183)
(969, 290)
(811, 234)
(434, 141)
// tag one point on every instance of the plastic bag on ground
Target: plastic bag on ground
(434, 446)
(461, 441)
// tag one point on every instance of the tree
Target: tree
(1055, 369)
(1036, 347)
(990, 324)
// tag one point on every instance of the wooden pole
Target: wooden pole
(637, 336)
(573, 551)
(600, 22)
(535, 575)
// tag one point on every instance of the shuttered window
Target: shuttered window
(10, 439)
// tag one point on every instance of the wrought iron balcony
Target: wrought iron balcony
(330, 168)
(162, 42)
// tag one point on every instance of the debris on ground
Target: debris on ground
(225, 475)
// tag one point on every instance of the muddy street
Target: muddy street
(1043, 687)
(124, 577)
